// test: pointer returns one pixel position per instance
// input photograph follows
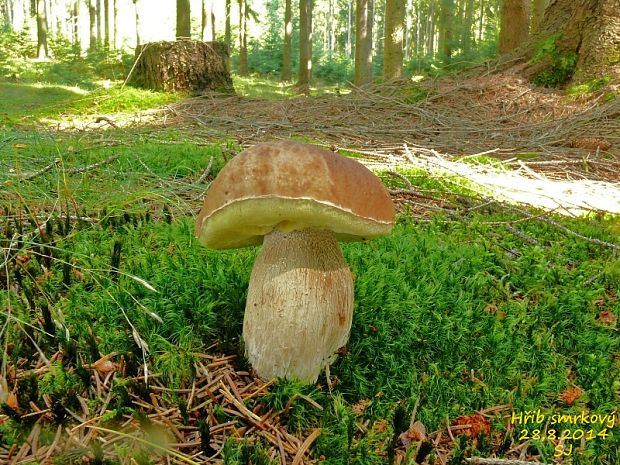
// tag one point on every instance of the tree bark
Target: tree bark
(137, 13)
(466, 37)
(243, 45)
(115, 41)
(98, 17)
(183, 20)
(75, 15)
(183, 66)
(445, 33)
(586, 30)
(106, 24)
(42, 49)
(538, 11)
(430, 32)
(286, 48)
(227, 33)
(514, 24)
(363, 42)
(208, 20)
(305, 44)
(92, 25)
(393, 40)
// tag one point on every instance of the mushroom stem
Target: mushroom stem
(300, 305)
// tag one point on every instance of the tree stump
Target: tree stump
(182, 66)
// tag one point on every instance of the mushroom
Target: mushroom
(298, 200)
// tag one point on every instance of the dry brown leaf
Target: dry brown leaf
(570, 395)
(380, 426)
(360, 407)
(472, 425)
(607, 317)
(12, 401)
(104, 365)
(415, 433)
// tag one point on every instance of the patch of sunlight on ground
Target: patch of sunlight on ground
(520, 186)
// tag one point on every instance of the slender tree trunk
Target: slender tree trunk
(106, 24)
(137, 12)
(393, 41)
(286, 48)
(243, 46)
(75, 16)
(408, 29)
(349, 49)
(208, 26)
(98, 14)
(305, 44)
(115, 37)
(430, 32)
(92, 25)
(481, 21)
(6, 13)
(466, 37)
(42, 50)
(419, 34)
(363, 42)
(183, 19)
(445, 33)
(227, 34)
(514, 24)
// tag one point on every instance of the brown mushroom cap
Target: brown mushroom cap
(292, 186)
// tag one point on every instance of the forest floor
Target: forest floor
(122, 334)
(558, 151)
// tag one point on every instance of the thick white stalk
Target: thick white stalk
(300, 305)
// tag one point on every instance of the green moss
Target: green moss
(559, 65)
(588, 87)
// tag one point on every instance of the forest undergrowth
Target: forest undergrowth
(121, 335)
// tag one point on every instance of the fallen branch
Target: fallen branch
(483, 461)
(94, 166)
(106, 120)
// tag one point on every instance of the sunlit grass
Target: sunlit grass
(33, 101)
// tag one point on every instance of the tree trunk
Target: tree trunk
(577, 41)
(92, 25)
(243, 45)
(183, 66)
(75, 16)
(183, 20)
(305, 45)
(208, 20)
(5, 13)
(227, 28)
(115, 41)
(445, 33)
(286, 48)
(42, 50)
(514, 24)
(466, 38)
(430, 32)
(349, 49)
(393, 40)
(408, 29)
(538, 11)
(106, 24)
(98, 17)
(363, 42)
(137, 12)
